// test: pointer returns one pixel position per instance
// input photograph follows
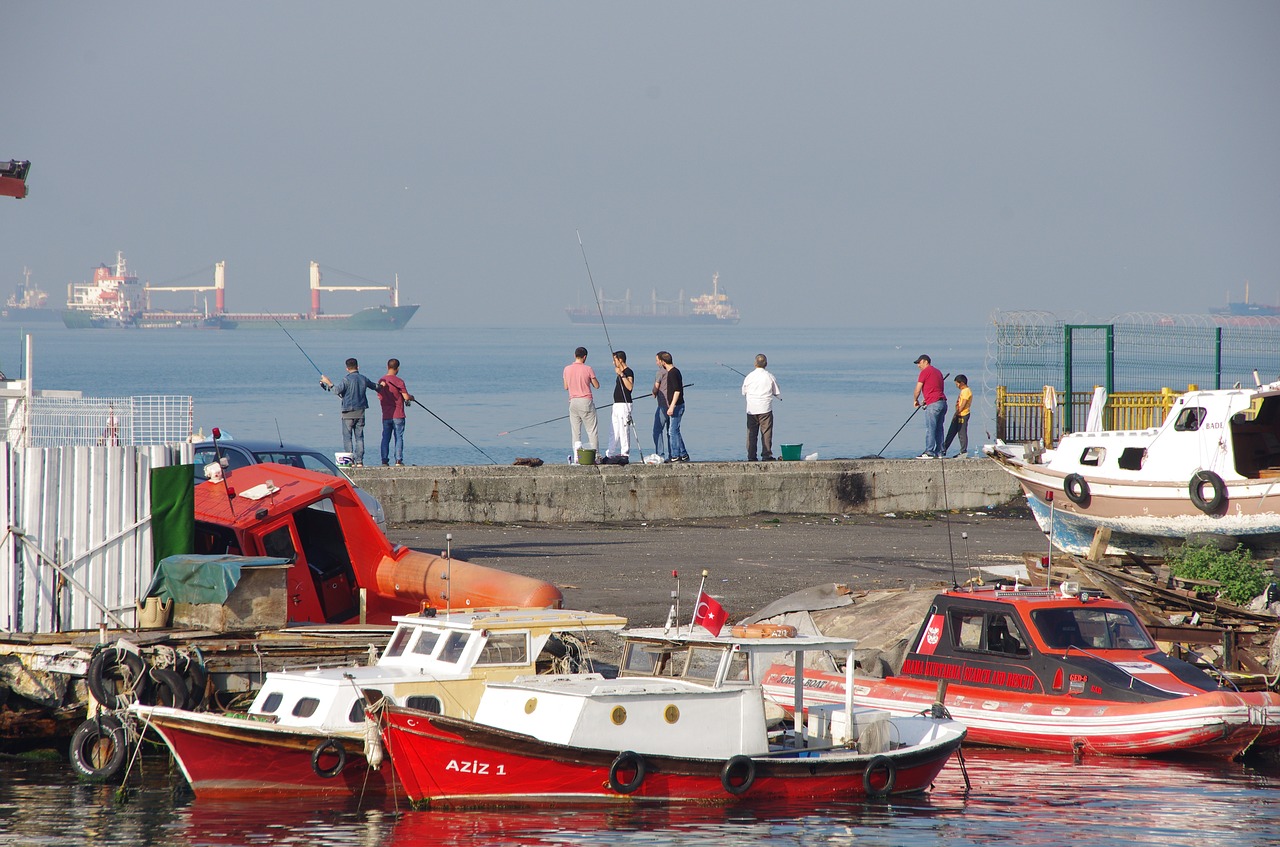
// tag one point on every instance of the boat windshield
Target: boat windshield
(1091, 628)
(700, 664)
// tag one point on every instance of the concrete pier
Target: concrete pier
(609, 493)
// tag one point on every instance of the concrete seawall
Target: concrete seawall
(606, 493)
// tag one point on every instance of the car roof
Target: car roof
(259, 445)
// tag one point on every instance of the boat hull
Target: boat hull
(227, 756)
(1219, 724)
(448, 762)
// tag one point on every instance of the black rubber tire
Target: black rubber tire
(115, 677)
(1076, 488)
(1209, 505)
(99, 748)
(729, 775)
(197, 677)
(627, 761)
(877, 764)
(167, 688)
(332, 747)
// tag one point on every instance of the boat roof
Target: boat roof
(282, 489)
(514, 618)
(1023, 595)
(796, 643)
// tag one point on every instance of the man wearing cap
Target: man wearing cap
(931, 394)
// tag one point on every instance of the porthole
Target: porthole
(671, 713)
(618, 716)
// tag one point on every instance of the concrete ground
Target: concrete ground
(751, 561)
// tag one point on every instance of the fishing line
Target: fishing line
(460, 435)
(562, 417)
(594, 294)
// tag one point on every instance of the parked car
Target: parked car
(241, 453)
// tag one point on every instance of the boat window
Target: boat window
(704, 663)
(279, 543)
(425, 703)
(213, 539)
(641, 659)
(739, 667)
(1003, 636)
(1189, 419)
(453, 647)
(505, 648)
(272, 702)
(1132, 458)
(1093, 456)
(966, 629)
(398, 641)
(426, 643)
(1091, 629)
(305, 707)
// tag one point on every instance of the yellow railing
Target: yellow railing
(1023, 416)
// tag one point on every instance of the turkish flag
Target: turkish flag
(709, 614)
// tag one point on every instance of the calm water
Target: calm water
(845, 392)
(1017, 798)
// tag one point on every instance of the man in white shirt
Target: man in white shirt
(760, 388)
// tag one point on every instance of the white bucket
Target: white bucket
(344, 460)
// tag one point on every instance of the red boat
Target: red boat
(685, 722)
(1069, 671)
(319, 523)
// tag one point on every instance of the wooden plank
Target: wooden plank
(1097, 549)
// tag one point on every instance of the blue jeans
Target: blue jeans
(935, 415)
(660, 424)
(353, 438)
(677, 443)
(393, 428)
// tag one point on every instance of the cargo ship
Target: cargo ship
(1247, 308)
(116, 299)
(28, 304)
(713, 308)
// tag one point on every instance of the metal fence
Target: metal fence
(68, 421)
(1142, 360)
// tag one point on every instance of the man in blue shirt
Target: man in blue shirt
(352, 391)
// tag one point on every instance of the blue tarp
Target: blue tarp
(192, 578)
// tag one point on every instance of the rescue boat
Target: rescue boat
(1066, 671)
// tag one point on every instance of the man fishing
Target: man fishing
(352, 390)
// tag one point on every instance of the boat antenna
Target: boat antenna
(279, 437)
(1048, 560)
(448, 569)
(460, 435)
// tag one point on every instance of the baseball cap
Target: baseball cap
(922, 358)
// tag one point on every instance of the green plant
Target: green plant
(1242, 578)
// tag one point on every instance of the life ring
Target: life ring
(764, 630)
(738, 774)
(167, 688)
(879, 764)
(331, 747)
(1076, 488)
(115, 677)
(627, 761)
(1211, 504)
(98, 748)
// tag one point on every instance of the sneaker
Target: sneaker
(386, 464)
(359, 464)
(925, 456)
(683, 459)
(399, 464)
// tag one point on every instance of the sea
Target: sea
(490, 395)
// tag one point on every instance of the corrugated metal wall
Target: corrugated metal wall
(76, 551)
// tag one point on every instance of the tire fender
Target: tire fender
(330, 747)
(1218, 496)
(167, 688)
(627, 761)
(115, 677)
(98, 749)
(879, 765)
(738, 774)
(1076, 488)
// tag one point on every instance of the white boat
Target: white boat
(305, 732)
(1210, 472)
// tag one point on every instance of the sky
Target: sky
(837, 163)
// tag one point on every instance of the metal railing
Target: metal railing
(1025, 416)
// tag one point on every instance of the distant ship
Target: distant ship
(116, 299)
(1247, 308)
(28, 304)
(713, 308)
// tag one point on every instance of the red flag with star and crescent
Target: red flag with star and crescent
(709, 614)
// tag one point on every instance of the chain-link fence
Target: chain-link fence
(52, 421)
(1134, 352)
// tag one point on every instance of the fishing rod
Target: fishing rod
(299, 346)
(460, 435)
(594, 294)
(904, 424)
(562, 417)
(735, 370)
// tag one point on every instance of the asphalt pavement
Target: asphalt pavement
(750, 562)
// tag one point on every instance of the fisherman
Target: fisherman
(619, 442)
(355, 402)
(579, 379)
(394, 394)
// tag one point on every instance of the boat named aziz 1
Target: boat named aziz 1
(1210, 472)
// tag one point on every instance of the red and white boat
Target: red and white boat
(684, 722)
(1068, 671)
(305, 732)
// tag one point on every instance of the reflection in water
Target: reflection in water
(1017, 798)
